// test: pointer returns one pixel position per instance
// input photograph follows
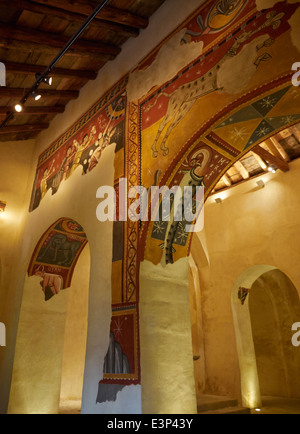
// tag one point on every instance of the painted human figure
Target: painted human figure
(51, 283)
(115, 362)
(103, 141)
(84, 145)
(48, 172)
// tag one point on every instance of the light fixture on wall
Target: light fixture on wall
(218, 200)
(260, 183)
(2, 206)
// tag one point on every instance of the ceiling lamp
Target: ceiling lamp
(18, 108)
(46, 79)
(36, 95)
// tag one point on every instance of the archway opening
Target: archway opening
(265, 306)
(274, 307)
(75, 338)
(52, 331)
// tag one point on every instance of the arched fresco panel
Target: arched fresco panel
(235, 95)
(56, 255)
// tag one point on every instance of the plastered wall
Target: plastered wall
(76, 200)
(252, 226)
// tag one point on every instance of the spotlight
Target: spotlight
(18, 108)
(47, 80)
(272, 169)
(36, 95)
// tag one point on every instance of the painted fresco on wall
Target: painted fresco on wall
(81, 148)
(56, 255)
(121, 363)
(121, 366)
(187, 130)
(214, 101)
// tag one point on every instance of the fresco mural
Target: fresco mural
(56, 255)
(121, 365)
(213, 102)
(81, 148)
(180, 131)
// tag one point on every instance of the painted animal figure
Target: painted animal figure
(183, 98)
(60, 244)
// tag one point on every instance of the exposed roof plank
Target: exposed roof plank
(68, 15)
(226, 179)
(271, 159)
(45, 110)
(277, 149)
(23, 128)
(7, 92)
(108, 13)
(260, 161)
(35, 39)
(23, 68)
(242, 170)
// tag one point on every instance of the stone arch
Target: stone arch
(254, 279)
(196, 163)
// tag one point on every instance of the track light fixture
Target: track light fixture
(46, 79)
(36, 95)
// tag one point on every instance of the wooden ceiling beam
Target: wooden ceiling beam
(227, 181)
(8, 92)
(279, 163)
(295, 132)
(242, 170)
(22, 68)
(27, 128)
(108, 13)
(260, 161)
(45, 110)
(276, 149)
(29, 39)
(68, 15)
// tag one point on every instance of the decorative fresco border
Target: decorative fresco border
(88, 116)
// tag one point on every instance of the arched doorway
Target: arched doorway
(48, 369)
(265, 305)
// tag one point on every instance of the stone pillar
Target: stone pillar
(168, 385)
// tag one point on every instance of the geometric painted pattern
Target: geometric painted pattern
(263, 123)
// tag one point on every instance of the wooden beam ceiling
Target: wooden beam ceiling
(279, 163)
(35, 110)
(25, 39)
(108, 13)
(79, 18)
(242, 170)
(278, 151)
(7, 92)
(24, 68)
(9, 129)
(34, 32)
